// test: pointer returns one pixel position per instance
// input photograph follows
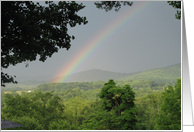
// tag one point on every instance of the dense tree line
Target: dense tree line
(89, 90)
(136, 84)
(70, 85)
(114, 108)
(10, 89)
(161, 75)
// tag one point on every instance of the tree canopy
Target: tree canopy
(121, 102)
(44, 107)
(29, 30)
(117, 108)
(108, 5)
(170, 116)
(177, 5)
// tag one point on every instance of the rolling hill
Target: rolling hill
(94, 75)
(166, 74)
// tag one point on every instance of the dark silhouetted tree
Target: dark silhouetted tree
(177, 5)
(29, 29)
(108, 5)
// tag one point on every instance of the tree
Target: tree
(29, 123)
(43, 107)
(101, 120)
(177, 5)
(121, 102)
(75, 108)
(170, 116)
(29, 30)
(16, 106)
(148, 108)
(108, 5)
(47, 108)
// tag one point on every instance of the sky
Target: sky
(143, 36)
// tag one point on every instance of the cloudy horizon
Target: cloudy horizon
(149, 39)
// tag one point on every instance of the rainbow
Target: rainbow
(65, 73)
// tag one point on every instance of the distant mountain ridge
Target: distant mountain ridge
(94, 75)
(166, 74)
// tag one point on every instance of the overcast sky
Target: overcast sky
(150, 38)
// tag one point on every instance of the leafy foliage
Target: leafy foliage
(90, 90)
(5, 78)
(177, 5)
(29, 123)
(29, 29)
(121, 101)
(44, 107)
(148, 107)
(108, 5)
(118, 107)
(16, 105)
(170, 116)
(71, 85)
(101, 120)
(63, 125)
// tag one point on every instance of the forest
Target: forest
(100, 105)
(149, 100)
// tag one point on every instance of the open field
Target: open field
(19, 92)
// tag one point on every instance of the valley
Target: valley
(78, 105)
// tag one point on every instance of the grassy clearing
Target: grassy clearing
(19, 92)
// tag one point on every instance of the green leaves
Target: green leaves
(108, 5)
(30, 29)
(42, 107)
(170, 116)
(30, 123)
(101, 120)
(5, 78)
(121, 102)
(177, 5)
(16, 106)
(117, 108)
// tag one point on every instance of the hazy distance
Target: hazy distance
(150, 39)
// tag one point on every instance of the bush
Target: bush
(28, 122)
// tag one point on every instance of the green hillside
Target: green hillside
(166, 74)
(78, 105)
(94, 75)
